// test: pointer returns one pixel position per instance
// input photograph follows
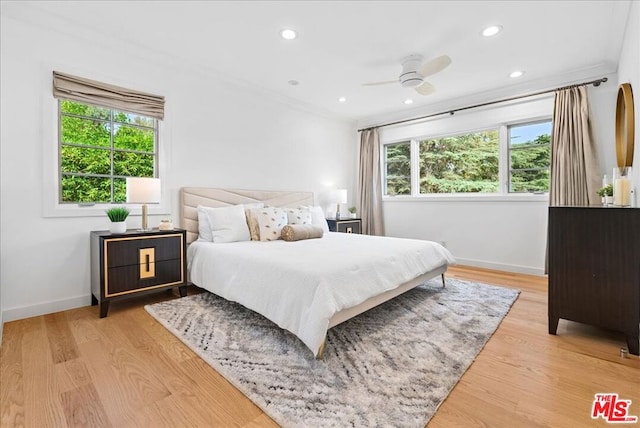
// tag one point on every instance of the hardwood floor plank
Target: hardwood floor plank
(41, 394)
(83, 408)
(61, 341)
(126, 370)
(12, 376)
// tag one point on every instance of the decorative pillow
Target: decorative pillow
(228, 224)
(297, 232)
(252, 220)
(271, 221)
(204, 230)
(299, 216)
(318, 218)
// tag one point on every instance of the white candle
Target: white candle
(622, 192)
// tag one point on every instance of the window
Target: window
(460, 164)
(529, 157)
(98, 148)
(397, 177)
(505, 159)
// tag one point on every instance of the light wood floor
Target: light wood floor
(74, 369)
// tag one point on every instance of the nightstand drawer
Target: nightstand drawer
(127, 279)
(128, 251)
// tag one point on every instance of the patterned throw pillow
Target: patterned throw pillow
(298, 216)
(271, 221)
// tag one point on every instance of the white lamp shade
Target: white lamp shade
(143, 190)
(340, 196)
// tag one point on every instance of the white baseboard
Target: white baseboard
(501, 266)
(13, 314)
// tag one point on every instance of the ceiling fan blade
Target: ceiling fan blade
(380, 83)
(426, 89)
(434, 66)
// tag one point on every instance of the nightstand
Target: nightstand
(346, 225)
(133, 263)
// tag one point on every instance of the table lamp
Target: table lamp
(340, 196)
(143, 190)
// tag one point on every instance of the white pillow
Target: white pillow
(204, 230)
(228, 224)
(298, 216)
(318, 218)
(271, 221)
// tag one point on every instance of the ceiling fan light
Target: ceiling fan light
(411, 79)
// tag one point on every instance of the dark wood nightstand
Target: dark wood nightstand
(345, 225)
(134, 263)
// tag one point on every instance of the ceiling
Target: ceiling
(342, 44)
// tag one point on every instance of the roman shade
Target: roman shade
(103, 94)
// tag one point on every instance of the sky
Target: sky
(529, 132)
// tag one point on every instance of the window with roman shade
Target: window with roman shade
(106, 133)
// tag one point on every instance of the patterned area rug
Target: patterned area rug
(391, 366)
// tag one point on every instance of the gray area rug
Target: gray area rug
(391, 366)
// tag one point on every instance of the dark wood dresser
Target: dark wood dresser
(133, 263)
(594, 269)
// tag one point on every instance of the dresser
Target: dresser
(127, 265)
(345, 225)
(594, 269)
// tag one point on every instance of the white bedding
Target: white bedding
(301, 285)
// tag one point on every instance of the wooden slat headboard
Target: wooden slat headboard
(191, 197)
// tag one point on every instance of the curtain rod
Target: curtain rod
(596, 82)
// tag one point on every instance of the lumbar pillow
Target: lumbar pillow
(228, 224)
(299, 216)
(271, 220)
(318, 218)
(297, 232)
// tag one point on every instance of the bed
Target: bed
(307, 286)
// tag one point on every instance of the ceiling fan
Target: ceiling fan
(414, 70)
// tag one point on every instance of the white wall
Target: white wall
(216, 133)
(507, 233)
(629, 72)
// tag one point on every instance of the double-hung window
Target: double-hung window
(106, 133)
(506, 158)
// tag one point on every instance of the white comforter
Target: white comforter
(301, 285)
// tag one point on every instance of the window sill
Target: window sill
(99, 210)
(461, 197)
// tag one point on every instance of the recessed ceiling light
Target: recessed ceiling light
(288, 34)
(293, 82)
(516, 73)
(342, 99)
(408, 101)
(492, 30)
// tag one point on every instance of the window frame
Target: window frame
(503, 194)
(111, 148)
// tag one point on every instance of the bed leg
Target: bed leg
(321, 350)
(443, 283)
